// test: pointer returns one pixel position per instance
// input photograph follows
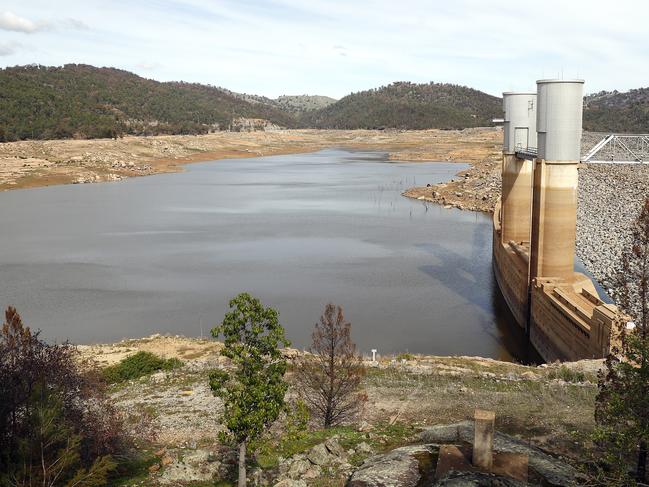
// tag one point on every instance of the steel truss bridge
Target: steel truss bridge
(612, 149)
(620, 149)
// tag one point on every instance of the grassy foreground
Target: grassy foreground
(549, 406)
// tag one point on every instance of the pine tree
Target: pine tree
(330, 381)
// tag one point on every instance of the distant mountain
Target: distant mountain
(84, 101)
(613, 111)
(38, 102)
(408, 106)
(303, 103)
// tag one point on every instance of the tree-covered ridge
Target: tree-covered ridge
(87, 102)
(613, 111)
(409, 106)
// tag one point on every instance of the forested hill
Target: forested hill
(83, 101)
(408, 106)
(38, 102)
(613, 111)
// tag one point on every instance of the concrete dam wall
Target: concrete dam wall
(534, 227)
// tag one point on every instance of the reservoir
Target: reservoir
(163, 254)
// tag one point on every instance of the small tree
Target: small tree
(253, 392)
(330, 381)
(622, 408)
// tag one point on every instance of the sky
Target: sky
(335, 47)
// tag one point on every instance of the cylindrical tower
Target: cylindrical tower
(559, 117)
(520, 121)
(554, 206)
(519, 133)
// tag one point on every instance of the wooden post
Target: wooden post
(484, 439)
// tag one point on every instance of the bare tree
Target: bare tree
(329, 381)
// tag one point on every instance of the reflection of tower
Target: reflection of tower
(519, 134)
(554, 207)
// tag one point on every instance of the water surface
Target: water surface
(163, 254)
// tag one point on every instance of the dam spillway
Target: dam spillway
(534, 227)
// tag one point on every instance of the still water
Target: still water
(163, 254)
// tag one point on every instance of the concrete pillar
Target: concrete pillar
(483, 441)
(516, 208)
(554, 205)
(554, 211)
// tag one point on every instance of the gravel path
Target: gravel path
(610, 198)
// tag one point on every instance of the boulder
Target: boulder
(554, 471)
(398, 468)
(476, 479)
(319, 455)
(334, 447)
(298, 468)
(290, 483)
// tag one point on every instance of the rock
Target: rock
(154, 468)
(312, 473)
(363, 448)
(319, 455)
(298, 468)
(476, 479)
(398, 468)
(166, 460)
(334, 447)
(554, 471)
(365, 427)
(290, 483)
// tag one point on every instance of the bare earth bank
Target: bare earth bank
(42, 163)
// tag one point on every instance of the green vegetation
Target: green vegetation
(253, 393)
(80, 101)
(405, 356)
(612, 111)
(566, 374)
(384, 437)
(622, 407)
(57, 426)
(408, 106)
(138, 365)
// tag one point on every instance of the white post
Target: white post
(374, 355)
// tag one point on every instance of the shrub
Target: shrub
(567, 375)
(139, 365)
(57, 426)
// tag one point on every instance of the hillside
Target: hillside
(81, 101)
(408, 106)
(303, 103)
(612, 111)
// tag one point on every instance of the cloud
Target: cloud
(147, 66)
(8, 48)
(10, 21)
(75, 24)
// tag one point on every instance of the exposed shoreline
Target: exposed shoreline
(30, 164)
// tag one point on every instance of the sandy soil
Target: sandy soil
(29, 164)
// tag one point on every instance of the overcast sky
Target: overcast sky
(334, 47)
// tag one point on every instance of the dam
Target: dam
(534, 227)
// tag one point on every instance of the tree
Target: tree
(330, 380)
(57, 427)
(253, 391)
(622, 408)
